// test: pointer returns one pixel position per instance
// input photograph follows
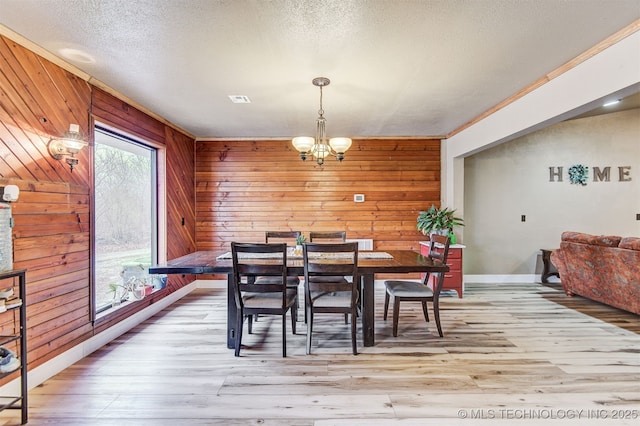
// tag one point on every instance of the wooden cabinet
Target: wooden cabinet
(14, 330)
(453, 280)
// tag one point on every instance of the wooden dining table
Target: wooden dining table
(395, 261)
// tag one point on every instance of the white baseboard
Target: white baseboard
(513, 278)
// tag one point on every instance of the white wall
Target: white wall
(612, 73)
(512, 179)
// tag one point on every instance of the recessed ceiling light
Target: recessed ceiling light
(613, 102)
(240, 99)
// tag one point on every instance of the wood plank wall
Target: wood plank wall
(181, 212)
(179, 171)
(241, 188)
(51, 235)
(244, 188)
(107, 109)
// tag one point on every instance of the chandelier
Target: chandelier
(319, 147)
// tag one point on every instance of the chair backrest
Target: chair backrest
(438, 250)
(439, 247)
(258, 259)
(330, 260)
(281, 237)
(328, 237)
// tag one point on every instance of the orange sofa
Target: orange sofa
(600, 267)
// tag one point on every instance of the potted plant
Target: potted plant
(300, 240)
(441, 221)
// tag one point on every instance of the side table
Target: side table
(548, 268)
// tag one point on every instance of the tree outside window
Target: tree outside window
(125, 217)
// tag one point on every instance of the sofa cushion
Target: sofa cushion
(598, 240)
(607, 240)
(577, 237)
(632, 243)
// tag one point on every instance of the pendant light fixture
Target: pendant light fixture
(319, 147)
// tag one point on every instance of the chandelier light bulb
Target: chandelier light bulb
(340, 145)
(303, 144)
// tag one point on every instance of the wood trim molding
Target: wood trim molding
(280, 139)
(589, 53)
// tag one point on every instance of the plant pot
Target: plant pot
(452, 238)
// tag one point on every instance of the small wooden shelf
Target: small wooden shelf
(17, 402)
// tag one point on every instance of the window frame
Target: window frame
(158, 205)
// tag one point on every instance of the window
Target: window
(125, 220)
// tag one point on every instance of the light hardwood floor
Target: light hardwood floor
(522, 353)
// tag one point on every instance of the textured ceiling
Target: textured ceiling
(397, 68)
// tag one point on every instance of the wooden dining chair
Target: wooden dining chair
(274, 298)
(331, 296)
(289, 238)
(324, 238)
(426, 291)
(328, 237)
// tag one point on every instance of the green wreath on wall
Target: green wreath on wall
(578, 174)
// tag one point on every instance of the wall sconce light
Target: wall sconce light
(68, 146)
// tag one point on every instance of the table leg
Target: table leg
(231, 314)
(368, 310)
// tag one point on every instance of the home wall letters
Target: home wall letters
(579, 174)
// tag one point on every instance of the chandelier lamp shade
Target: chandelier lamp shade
(68, 146)
(320, 147)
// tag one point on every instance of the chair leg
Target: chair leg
(239, 323)
(354, 345)
(346, 318)
(386, 304)
(250, 323)
(297, 304)
(396, 315)
(436, 313)
(284, 335)
(294, 317)
(309, 329)
(424, 310)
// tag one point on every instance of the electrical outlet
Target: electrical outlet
(637, 216)
(523, 218)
